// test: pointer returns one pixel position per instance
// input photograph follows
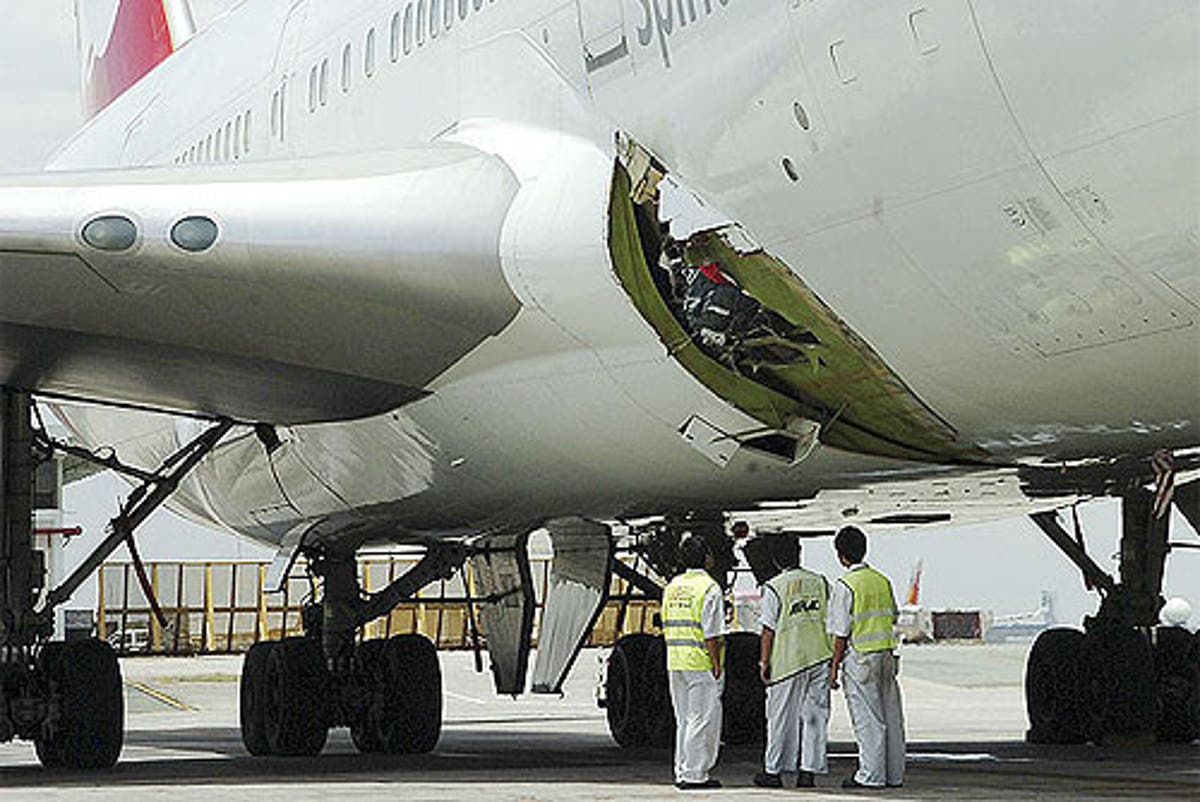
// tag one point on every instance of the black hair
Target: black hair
(693, 552)
(785, 551)
(851, 543)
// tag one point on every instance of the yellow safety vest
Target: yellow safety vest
(800, 637)
(873, 613)
(683, 608)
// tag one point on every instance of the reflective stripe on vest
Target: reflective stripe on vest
(800, 637)
(682, 611)
(873, 612)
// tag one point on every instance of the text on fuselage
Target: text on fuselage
(662, 18)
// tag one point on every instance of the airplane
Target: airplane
(441, 272)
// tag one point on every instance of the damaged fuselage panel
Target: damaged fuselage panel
(743, 322)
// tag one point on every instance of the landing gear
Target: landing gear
(638, 701)
(1123, 680)
(65, 697)
(1053, 698)
(744, 719)
(637, 696)
(403, 714)
(389, 692)
(252, 710)
(1177, 662)
(86, 729)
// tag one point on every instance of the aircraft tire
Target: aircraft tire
(50, 668)
(744, 719)
(1177, 662)
(89, 733)
(638, 702)
(1119, 687)
(296, 686)
(253, 696)
(1052, 688)
(366, 732)
(412, 676)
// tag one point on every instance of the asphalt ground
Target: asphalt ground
(963, 704)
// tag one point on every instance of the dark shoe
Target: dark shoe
(850, 782)
(804, 779)
(765, 779)
(895, 785)
(709, 783)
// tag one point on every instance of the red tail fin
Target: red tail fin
(122, 40)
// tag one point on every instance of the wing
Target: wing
(290, 292)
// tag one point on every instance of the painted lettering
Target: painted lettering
(662, 19)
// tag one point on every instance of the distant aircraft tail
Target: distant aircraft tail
(914, 587)
(121, 40)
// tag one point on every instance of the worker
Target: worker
(693, 623)
(862, 620)
(795, 654)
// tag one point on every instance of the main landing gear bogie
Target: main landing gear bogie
(391, 699)
(1126, 680)
(638, 701)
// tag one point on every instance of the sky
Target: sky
(1000, 566)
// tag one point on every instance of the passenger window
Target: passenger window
(394, 43)
(347, 57)
(464, 6)
(323, 83)
(369, 54)
(448, 14)
(408, 29)
(478, 4)
(246, 134)
(217, 145)
(237, 137)
(434, 7)
(228, 141)
(275, 114)
(208, 148)
(283, 93)
(422, 19)
(312, 88)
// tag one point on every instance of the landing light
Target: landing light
(194, 234)
(110, 233)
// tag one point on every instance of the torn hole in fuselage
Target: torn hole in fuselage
(678, 235)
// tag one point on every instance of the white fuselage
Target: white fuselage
(1000, 197)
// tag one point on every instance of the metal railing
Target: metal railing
(215, 607)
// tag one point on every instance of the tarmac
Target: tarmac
(963, 702)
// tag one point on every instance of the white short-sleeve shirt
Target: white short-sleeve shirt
(712, 615)
(841, 605)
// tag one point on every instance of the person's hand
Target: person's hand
(764, 671)
(833, 678)
(717, 671)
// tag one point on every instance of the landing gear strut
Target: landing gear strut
(1124, 679)
(388, 692)
(65, 697)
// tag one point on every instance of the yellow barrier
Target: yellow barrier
(223, 606)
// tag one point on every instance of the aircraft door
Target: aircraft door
(285, 99)
(606, 52)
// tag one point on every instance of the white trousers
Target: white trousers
(798, 722)
(696, 697)
(877, 712)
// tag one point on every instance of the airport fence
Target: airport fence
(215, 607)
